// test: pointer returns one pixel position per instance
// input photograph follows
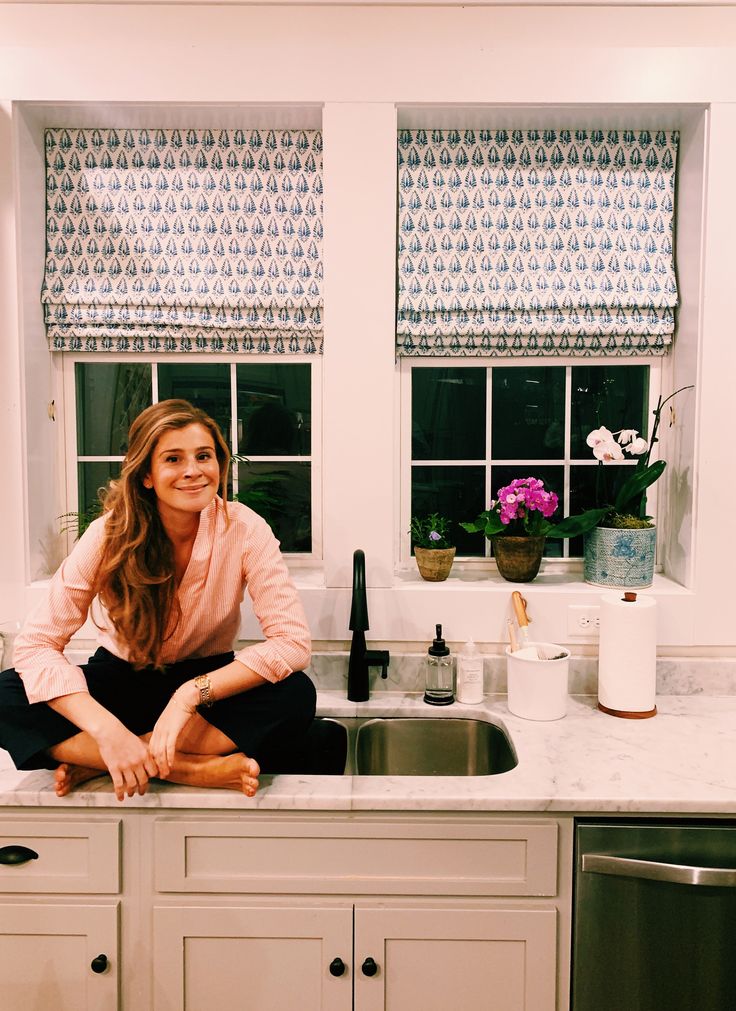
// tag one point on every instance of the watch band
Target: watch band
(202, 682)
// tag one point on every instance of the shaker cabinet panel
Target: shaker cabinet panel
(435, 959)
(59, 855)
(252, 959)
(60, 957)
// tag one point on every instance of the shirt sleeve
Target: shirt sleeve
(287, 646)
(39, 649)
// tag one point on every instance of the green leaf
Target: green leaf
(574, 526)
(487, 523)
(638, 483)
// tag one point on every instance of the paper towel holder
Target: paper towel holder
(629, 597)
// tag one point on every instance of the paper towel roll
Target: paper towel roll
(627, 658)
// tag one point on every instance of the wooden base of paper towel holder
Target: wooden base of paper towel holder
(627, 715)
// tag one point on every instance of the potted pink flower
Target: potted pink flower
(518, 523)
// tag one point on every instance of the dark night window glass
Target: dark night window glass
(448, 414)
(109, 397)
(274, 410)
(205, 385)
(528, 413)
(281, 494)
(615, 396)
(454, 492)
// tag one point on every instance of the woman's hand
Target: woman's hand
(128, 760)
(179, 711)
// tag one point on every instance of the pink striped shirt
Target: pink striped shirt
(225, 559)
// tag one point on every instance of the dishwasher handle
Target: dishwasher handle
(653, 870)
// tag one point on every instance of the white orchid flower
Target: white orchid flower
(599, 435)
(627, 435)
(608, 450)
(637, 447)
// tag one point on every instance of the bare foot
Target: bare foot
(68, 776)
(232, 772)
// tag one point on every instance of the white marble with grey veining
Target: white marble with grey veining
(681, 761)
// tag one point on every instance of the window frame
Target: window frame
(69, 498)
(564, 565)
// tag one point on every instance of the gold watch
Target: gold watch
(202, 682)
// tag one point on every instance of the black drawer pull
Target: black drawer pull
(98, 964)
(15, 855)
(369, 967)
(337, 967)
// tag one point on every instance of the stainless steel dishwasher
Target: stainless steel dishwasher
(654, 916)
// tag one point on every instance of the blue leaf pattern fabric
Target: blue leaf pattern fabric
(184, 240)
(536, 242)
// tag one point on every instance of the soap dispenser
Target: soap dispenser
(439, 685)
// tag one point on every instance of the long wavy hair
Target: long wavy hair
(136, 579)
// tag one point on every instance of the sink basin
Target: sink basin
(445, 746)
(405, 746)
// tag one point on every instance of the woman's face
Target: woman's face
(185, 474)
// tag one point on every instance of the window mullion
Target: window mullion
(235, 469)
(567, 445)
(487, 493)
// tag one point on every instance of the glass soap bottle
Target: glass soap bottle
(439, 685)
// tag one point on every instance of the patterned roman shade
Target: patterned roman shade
(536, 242)
(183, 240)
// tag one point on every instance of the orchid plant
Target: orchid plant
(524, 508)
(629, 506)
(430, 532)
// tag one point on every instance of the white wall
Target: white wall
(367, 68)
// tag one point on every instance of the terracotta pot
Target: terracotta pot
(434, 564)
(518, 558)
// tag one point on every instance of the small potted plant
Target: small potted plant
(518, 523)
(432, 548)
(620, 550)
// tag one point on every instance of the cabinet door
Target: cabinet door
(435, 959)
(252, 958)
(46, 956)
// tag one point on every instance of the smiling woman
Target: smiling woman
(164, 695)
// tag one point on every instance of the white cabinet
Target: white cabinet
(264, 911)
(432, 910)
(60, 954)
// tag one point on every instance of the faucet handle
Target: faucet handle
(378, 658)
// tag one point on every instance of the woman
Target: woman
(164, 695)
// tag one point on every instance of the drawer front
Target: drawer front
(59, 855)
(394, 858)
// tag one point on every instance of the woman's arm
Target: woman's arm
(125, 756)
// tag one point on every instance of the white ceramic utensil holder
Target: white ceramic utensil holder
(537, 689)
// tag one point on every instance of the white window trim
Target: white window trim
(69, 501)
(570, 566)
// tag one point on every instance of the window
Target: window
(266, 410)
(470, 429)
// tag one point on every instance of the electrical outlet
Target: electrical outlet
(583, 620)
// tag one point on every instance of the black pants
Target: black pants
(269, 723)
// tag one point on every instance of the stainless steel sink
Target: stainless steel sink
(440, 746)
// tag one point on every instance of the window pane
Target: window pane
(109, 397)
(204, 385)
(583, 494)
(528, 413)
(91, 478)
(615, 396)
(281, 494)
(454, 492)
(274, 410)
(554, 480)
(448, 414)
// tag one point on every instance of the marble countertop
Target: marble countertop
(681, 761)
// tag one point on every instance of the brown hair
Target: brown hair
(136, 577)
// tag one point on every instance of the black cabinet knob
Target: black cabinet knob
(337, 967)
(14, 855)
(369, 967)
(99, 964)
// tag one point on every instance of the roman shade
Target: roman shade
(183, 240)
(536, 242)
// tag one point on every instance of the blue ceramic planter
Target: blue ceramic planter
(620, 557)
